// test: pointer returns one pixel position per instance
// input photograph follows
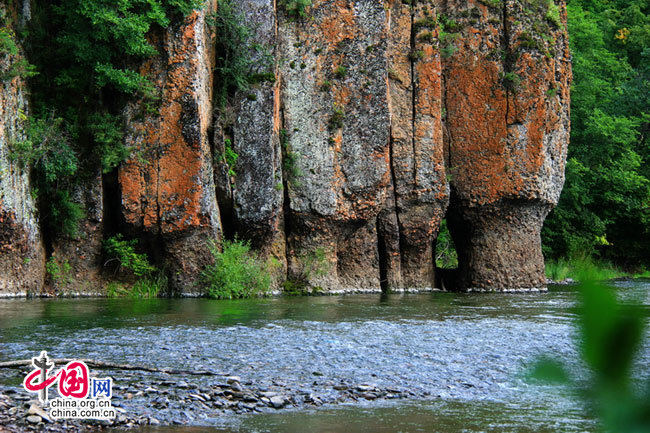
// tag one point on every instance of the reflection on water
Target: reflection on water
(411, 417)
(462, 354)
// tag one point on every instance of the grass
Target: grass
(579, 268)
(145, 288)
(643, 274)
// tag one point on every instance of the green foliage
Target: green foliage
(290, 167)
(60, 274)
(236, 273)
(232, 40)
(93, 38)
(107, 132)
(553, 14)
(325, 86)
(603, 210)
(295, 8)
(429, 22)
(86, 53)
(123, 252)
(230, 157)
(610, 338)
(340, 72)
(337, 118)
(448, 43)
(314, 265)
(446, 256)
(561, 269)
(145, 288)
(240, 62)
(13, 64)
(48, 150)
(511, 81)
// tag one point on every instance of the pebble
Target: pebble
(278, 401)
(232, 379)
(34, 419)
(35, 410)
(197, 397)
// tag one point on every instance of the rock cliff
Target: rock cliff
(372, 122)
(22, 256)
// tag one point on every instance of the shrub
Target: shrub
(336, 119)
(511, 81)
(446, 256)
(314, 265)
(230, 157)
(123, 252)
(16, 66)
(47, 149)
(448, 43)
(236, 273)
(86, 52)
(106, 130)
(295, 8)
(290, 167)
(553, 14)
(579, 267)
(59, 273)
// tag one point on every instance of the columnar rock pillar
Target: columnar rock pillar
(334, 112)
(418, 173)
(22, 256)
(507, 80)
(258, 180)
(167, 185)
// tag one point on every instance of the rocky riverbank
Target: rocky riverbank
(185, 402)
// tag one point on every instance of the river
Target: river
(428, 362)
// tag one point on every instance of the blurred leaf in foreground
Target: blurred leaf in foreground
(610, 337)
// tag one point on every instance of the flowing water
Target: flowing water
(459, 358)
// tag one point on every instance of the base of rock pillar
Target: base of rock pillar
(499, 246)
(334, 257)
(185, 258)
(22, 258)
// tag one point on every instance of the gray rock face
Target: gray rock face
(334, 93)
(22, 256)
(258, 182)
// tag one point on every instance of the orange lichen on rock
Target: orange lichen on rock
(506, 142)
(167, 185)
